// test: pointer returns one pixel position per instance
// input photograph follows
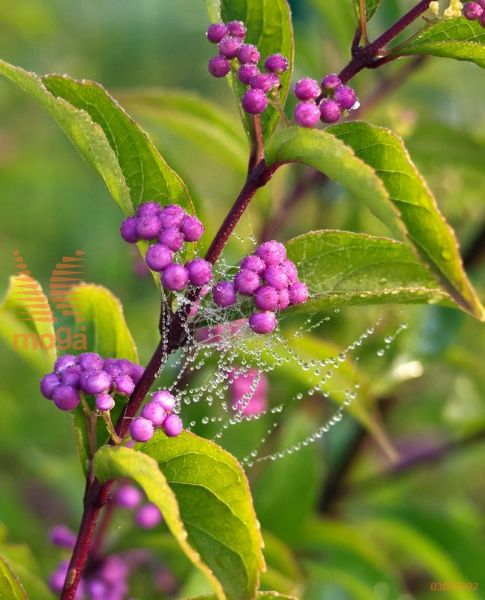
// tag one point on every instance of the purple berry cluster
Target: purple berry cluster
(475, 11)
(168, 228)
(92, 375)
(157, 413)
(234, 53)
(147, 516)
(326, 101)
(270, 278)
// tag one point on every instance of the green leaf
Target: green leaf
(342, 268)
(27, 323)
(204, 496)
(259, 596)
(454, 38)
(270, 28)
(22, 561)
(370, 9)
(373, 163)
(10, 586)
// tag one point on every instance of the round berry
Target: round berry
(64, 361)
(128, 230)
(62, 536)
(90, 361)
(276, 276)
(262, 322)
(172, 239)
(191, 228)
(104, 402)
(166, 400)
(345, 96)
(154, 412)
(219, 66)
(246, 282)
(264, 81)
(272, 252)
(224, 294)
(253, 263)
(48, 384)
(136, 372)
(175, 277)
(266, 298)
(158, 257)
(283, 299)
(472, 11)
(247, 72)
(229, 46)
(200, 271)
(482, 19)
(307, 114)
(141, 429)
(330, 111)
(58, 577)
(236, 29)
(148, 209)
(66, 397)
(124, 384)
(95, 382)
(148, 516)
(113, 570)
(128, 496)
(148, 227)
(290, 270)
(248, 53)
(298, 293)
(276, 63)
(330, 82)
(71, 376)
(172, 216)
(307, 89)
(216, 32)
(254, 102)
(173, 426)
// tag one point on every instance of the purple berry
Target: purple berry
(345, 96)
(166, 400)
(219, 66)
(266, 298)
(62, 536)
(330, 82)
(276, 276)
(172, 216)
(247, 72)
(254, 102)
(95, 382)
(48, 384)
(148, 516)
(307, 114)
(264, 82)
(330, 111)
(90, 361)
(148, 209)
(173, 426)
(236, 29)
(272, 252)
(137, 373)
(248, 53)
(158, 257)
(66, 397)
(124, 365)
(307, 89)
(175, 277)
(262, 322)
(200, 271)
(253, 263)
(229, 46)
(154, 412)
(298, 293)
(216, 32)
(124, 384)
(472, 11)
(71, 376)
(191, 228)
(128, 230)
(276, 63)
(141, 429)
(172, 239)
(148, 227)
(104, 402)
(113, 570)
(64, 361)
(224, 294)
(246, 282)
(58, 577)
(283, 300)
(482, 19)
(128, 496)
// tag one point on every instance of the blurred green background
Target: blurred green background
(342, 522)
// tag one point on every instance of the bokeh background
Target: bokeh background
(341, 521)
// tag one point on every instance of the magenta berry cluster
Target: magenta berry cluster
(475, 11)
(157, 413)
(326, 101)
(89, 374)
(270, 278)
(244, 58)
(168, 228)
(147, 515)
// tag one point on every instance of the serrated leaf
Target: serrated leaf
(454, 38)
(370, 9)
(10, 586)
(373, 163)
(269, 27)
(204, 496)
